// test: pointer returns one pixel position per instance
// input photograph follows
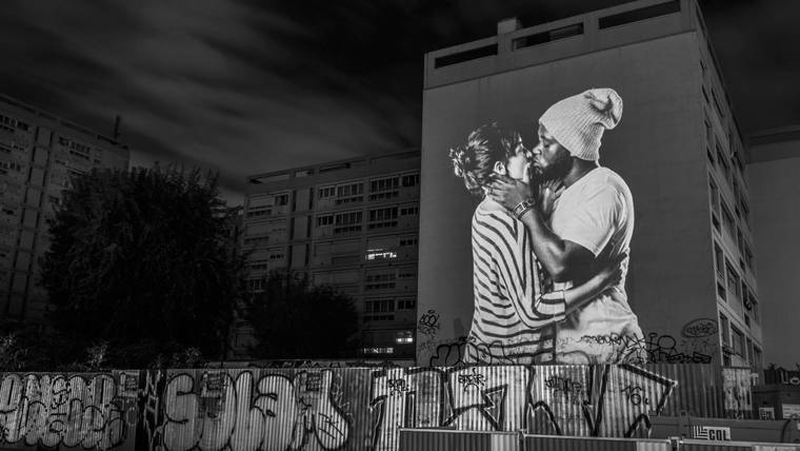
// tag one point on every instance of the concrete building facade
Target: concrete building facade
(39, 153)
(773, 165)
(691, 280)
(351, 224)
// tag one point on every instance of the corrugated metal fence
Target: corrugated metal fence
(341, 408)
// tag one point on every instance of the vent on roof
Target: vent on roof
(465, 56)
(636, 15)
(548, 36)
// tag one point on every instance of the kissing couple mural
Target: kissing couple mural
(550, 240)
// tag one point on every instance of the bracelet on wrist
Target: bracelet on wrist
(523, 207)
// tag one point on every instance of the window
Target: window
(719, 259)
(258, 213)
(748, 257)
(407, 273)
(738, 341)
(724, 330)
(348, 222)
(380, 280)
(747, 352)
(740, 241)
(255, 285)
(467, 55)
(384, 188)
(324, 221)
(717, 105)
(723, 162)
(257, 241)
(382, 218)
(745, 209)
(406, 304)
(714, 195)
(408, 242)
(754, 304)
(548, 36)
(410, 180)
(727, 219)
(351, 192)
(409, 210)
(380, 254)
(282, 199)
(636, 15)
(757, 356)
(733, 282)
(258, 265)
(327, 191)
(389, 350)
(405, 337)
(379, 310)
(379, 305)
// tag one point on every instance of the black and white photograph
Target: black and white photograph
(399, 225)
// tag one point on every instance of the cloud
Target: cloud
(246, 87)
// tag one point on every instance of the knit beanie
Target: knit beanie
(578, 122)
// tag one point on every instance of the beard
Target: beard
(556, 171)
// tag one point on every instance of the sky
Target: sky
(251, 86)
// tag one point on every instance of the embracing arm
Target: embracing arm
(563, 259)
(608, 276)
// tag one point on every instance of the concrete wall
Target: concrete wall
(775, 192)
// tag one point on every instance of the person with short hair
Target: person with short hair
(514, 313)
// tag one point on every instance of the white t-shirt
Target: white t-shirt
(596, 212)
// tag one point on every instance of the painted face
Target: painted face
(550, 159)
(518, 164)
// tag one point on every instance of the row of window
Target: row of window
(738, 343)
(389, 304)
(383, 217)
(730, 224)
(380, 188)
(733, 288)
(11, 124)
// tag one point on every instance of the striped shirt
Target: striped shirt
(513, 321)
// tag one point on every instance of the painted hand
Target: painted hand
(509, 192)
(549, 192)
(610, 272)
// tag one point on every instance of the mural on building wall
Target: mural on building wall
(549, 243)
(550, 240)
(340, 408)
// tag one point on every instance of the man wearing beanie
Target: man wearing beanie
(592, 223)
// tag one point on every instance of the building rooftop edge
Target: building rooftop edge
(40, 113)
(775, 134)
(628, 6)
(408, 152)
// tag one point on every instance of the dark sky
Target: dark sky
(247, 87)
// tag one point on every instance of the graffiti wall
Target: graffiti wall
(90, 411)
(341, 408)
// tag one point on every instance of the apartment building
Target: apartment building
(350, 224)
(39, 153)
(692, 279)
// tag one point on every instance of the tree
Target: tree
(293, 318)
(142, 261)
